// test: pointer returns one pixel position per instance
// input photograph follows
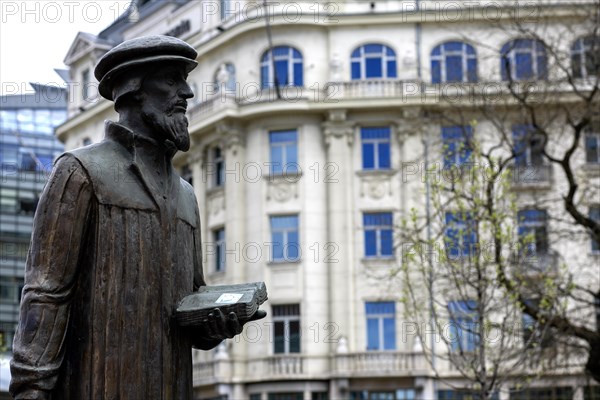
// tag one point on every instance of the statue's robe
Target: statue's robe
(111, 256)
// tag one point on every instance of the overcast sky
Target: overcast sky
(35, 36)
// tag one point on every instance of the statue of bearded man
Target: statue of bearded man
(116, 246)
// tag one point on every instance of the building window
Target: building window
(585, 57)
(286, 396)
(595, 216)
(288, 67)
(457, 150)
(373, 61)
(285, 239)
(453, 62)
(85, 84)
(224, 79)
(375, 148)
(87, 141)
(319, 396)
(527, 145)
(284, 152)
(219, 240)
(217, 167)
(545, 393)
(255, 396)
(378, 234)
(592, 142)
(381, 325)
(591, 393)
(464, 336)
(534, 333)
(286, 328)
(533, 235)
(400, 394)
(460, 234)
(522, 60)
(462, 394)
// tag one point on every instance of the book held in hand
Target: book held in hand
(241, 299)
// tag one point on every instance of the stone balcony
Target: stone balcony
(380, 363)
(532, 176)
(287, 367)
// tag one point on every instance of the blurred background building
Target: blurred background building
(305, 115)
(27, 149)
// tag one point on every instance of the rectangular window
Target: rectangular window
(219, 240)
(225, 9)
(463, 325)
(255, 396)
(592, 148)
(528, 146)
(450, 394)
(546, 393)
(381, 325)
(460, 234)
(218, 167)
(319, 396)
(455, 140)
(535, 334)
(286, 396)
(378, 234)
(595, 215)
(533, 235)
(284, 152)
(285, 239)
(85, 84)
(286, 328)
(375, 148)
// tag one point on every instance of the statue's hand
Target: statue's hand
(218, 327)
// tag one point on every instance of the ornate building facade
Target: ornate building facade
(309, 129)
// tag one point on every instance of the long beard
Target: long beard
(169, 125)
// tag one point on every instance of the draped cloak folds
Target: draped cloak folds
(111, 256)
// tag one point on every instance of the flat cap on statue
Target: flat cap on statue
(143, 50)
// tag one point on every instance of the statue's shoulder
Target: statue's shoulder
(187, 204)
(106, 154)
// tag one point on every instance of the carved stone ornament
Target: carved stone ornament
(376, 186)
(216, 201)
(281, 190)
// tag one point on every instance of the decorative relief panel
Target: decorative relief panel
(281, 189)
(375, 186)
(216, 201)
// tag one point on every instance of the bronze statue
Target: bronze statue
(115, 247)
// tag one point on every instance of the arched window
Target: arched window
(523, 59)
(585, 57)
(373, 61)
(453, 62)
(288, 67)
(224, 78)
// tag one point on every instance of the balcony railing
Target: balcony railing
(534, 263)
(532, 176)
(384, 363)
(276, 367)
(386, 88)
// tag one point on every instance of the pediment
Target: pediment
(83, 44)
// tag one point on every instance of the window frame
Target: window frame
(286, 242)
(382, 230)
(463, 323)
(376, 143)
(510, 66)
(285, 315)
(525, 138)
(360, 56)
(384, 343)
(455, 142)
(536, 226)
(466, 53)
(582, 50)
(293, 58)
(284, 146)
(594, 214)
(460, 234)
(220, 253)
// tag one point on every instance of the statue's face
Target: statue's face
(164, 103)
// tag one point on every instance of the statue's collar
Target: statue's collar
(130, 140)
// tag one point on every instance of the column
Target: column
(339, 137)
